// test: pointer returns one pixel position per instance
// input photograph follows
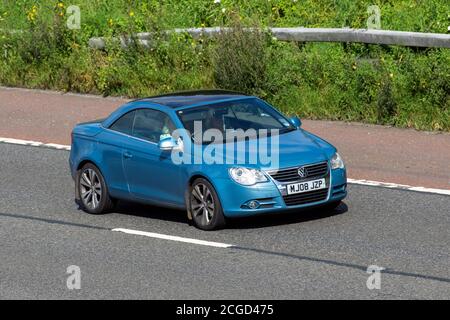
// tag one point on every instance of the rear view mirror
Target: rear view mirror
(296, 122)
(168, 144)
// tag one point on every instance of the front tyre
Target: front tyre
(92, 189)
(207, 213)
(332, 206)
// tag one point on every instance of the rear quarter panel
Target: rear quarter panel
(84, 145)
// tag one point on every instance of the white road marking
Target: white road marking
(174, 238)
(398, 186)
(34, 143)
(351, 181)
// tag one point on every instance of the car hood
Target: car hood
(295, 148)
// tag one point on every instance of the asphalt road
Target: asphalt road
(302, 255)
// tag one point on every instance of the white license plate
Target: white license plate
(306, 186)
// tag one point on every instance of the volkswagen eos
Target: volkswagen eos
(175, 151)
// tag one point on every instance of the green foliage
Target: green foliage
(240, 60)
(399, 86)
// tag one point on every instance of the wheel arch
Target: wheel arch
(84, 162)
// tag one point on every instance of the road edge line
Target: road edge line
(398, 186)
(34, 143)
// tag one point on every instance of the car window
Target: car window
(246, 113)
(152, 125)
(124, 124)
(234, 115)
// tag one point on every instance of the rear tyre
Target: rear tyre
(204, 204)
(92, 190)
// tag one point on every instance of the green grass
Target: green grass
(407, 15)
(404, 87)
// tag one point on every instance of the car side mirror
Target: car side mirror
(296, 122)
(167, 144)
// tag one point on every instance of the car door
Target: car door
(150, 172)
(111, 143)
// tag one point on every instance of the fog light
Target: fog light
(253, 204)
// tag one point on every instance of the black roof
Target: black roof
(187, 98)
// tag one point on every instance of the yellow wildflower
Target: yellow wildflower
(31, 15)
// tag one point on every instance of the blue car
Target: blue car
(215, 154)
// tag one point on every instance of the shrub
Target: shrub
(240, 60)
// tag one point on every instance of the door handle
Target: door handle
(127, 155)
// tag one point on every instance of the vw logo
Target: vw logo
(302, 172)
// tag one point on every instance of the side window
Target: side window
(152, 125)
(124, 124)
(254, 116)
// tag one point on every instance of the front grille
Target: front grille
(311, 171)
(306, 197)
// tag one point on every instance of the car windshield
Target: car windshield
(245, 114)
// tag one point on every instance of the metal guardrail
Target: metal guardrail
(387, 37)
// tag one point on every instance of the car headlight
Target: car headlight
(337, 162)
(247, 177)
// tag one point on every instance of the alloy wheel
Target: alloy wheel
(90, 189)
(202, 204)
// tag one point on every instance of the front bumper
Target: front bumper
(269, 195)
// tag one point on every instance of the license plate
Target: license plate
(306, 186)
